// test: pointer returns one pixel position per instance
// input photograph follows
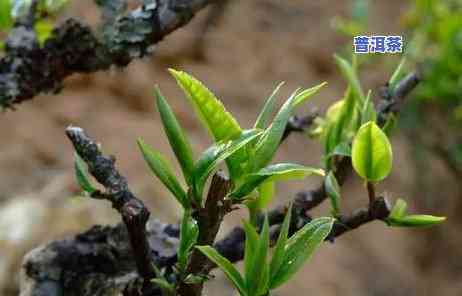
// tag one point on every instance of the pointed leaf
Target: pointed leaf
(189, 232)
(415, 221)
(264, 117)
(371, 153)
(216, 154)
(251, 245)
(269, 141)
(368, 113)
(226, 266)
(255, 277)
(81, 175)
(350, 75)
(279, 249)
(333, 191)
(160, 166)
(397, 74)
(275, 172)
(220, 123)
(304, 95)
(176, 137)
(300, 247)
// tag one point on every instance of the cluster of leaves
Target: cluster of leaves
(349, 129)
(261, 274)
(11, 10)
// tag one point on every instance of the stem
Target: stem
(209, 219)
(371, 192)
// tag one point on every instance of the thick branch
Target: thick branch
(133, 212)
(29, 69)
(232, 245)
(209, 219)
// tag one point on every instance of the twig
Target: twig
(28, 69)
(134, 214)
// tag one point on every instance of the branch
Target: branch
(28, 69)
(209, 219)
(134, 214)
(232, 245)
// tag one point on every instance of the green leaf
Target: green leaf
(189, 232)
(81, 175)
(371, 153)
(350, 75)
(266, 192)
(176, 137)
(160, 166)
(300, 247)
(342, 124)
(279, 250)
(6, 20)
(227, 267)
(256, 277)
(264, 117)
(304, 95)
(269, 141)
(415, 221)
(399, 209)
(220, 123)
(333, 191)
(43, 28)
(251, 245)
(214, 155)
(272, 173)
(368, 112)
(397, 74)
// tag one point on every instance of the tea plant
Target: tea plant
(354, 135)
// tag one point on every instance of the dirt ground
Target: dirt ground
(257, 44)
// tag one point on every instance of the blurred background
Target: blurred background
(241, 54)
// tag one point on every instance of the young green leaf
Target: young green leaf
(176, 137)
(368, 112)
(6, 21)
(269, 141)
(264, 117)
(251, 245)
(304, 95)
(226, 266)
(390, 124)
(272, 173)
(371, 153)
(189, 232)
(399, 209)
(81, 175)
(397, 74)
(342, 149)
(160, 166)
(256, 277)
(279, 250)
(214, 155)
(333, 191)
(415, 221)
(220, 123)
(300, 247)
(350, 75)
(266, 192)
